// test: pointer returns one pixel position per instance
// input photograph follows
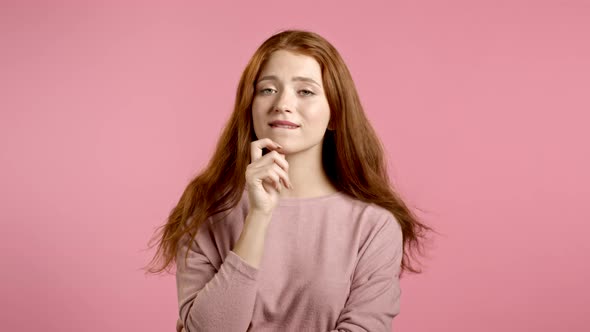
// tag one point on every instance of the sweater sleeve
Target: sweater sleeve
(375, 292)
(211, 299)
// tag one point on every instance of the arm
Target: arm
(375, 292)
(219, 300)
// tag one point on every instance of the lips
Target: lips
(283, 123)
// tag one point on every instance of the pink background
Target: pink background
(107, 111)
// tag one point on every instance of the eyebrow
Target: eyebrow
(296, 78)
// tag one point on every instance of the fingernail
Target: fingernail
(280, 147)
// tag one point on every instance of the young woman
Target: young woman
(293, 225)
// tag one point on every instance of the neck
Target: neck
(307, 174)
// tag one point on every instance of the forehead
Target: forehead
(286, 63)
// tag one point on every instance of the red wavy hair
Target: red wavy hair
(353, 156)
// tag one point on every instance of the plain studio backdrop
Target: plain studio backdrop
(109, 109)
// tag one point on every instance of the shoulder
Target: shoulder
(375, 219)
(220, 220)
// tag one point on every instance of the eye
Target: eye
(264, 91)
(307, 92)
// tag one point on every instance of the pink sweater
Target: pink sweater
(330, 263)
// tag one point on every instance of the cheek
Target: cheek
(258, 118)
(258, 107)
(320, 115)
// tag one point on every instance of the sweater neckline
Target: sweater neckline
(289, 201)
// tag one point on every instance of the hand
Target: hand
(266, 176)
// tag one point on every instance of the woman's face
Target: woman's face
(290, 88)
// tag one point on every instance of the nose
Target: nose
(283, 102)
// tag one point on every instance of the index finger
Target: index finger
(257, 146)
